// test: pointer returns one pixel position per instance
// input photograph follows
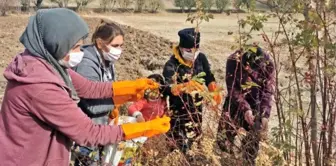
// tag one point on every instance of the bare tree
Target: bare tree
(222, 4)
(82, 3)
(139, 5)
(154, 5)
(61, 3)
(124, 4)
(4, 6)
(37, 3)
(107, 4)
(25, 5)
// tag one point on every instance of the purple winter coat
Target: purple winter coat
(241, 98)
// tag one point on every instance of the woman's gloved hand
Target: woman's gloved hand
(124, 91)
(115, 115)
(264, 129)
(249, 117)
(148, 129)
(187, 87)
(120, 100)
(217, 96)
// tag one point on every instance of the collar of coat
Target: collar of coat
(179, 58)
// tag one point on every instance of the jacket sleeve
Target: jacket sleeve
(136, 108)
(233, 82)
(169, 71)
(53, 106)
(209, 77)
(90, 89)
(96, 106)
(89, 70)
(268, 88)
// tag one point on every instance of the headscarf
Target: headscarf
(51, 34)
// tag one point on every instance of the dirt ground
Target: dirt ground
(215, 41)
(158, 29)
(148, 41)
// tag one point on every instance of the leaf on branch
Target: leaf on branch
(201, 74)
(249, 85)
(206, 19)
(188, 124)
(191, 134)
(198, 103)
(211, 16)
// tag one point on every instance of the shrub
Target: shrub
(124, 4)
(154, 5)
(222, 4)
(139, 5)
(61, 3)
(82, 3)
(107, 4)
(37, 3)
(25, 4)
(4, 6)
(183, 4)
(207, 4)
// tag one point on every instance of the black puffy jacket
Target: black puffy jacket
(176, 67)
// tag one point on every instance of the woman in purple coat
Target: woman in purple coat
(249, 80)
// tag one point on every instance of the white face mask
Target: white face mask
(113, 55)
(74, 59)
(189, 56)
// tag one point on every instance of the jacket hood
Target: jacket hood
(29, 69)
(90, 52)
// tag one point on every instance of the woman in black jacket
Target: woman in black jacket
(187, 61)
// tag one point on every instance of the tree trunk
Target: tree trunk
(25, 5)
(189, 9)
(314, 139)
(4, 7)
(300, 102)
(182, 9)
(38, 4)
(3, 12)
(79, 4)
(312, 73)
(60, 4)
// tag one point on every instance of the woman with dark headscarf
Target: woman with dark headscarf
(187, 61)
(39, 116)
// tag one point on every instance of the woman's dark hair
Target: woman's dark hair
(158, 78)
(107, 31)
(252, 59)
